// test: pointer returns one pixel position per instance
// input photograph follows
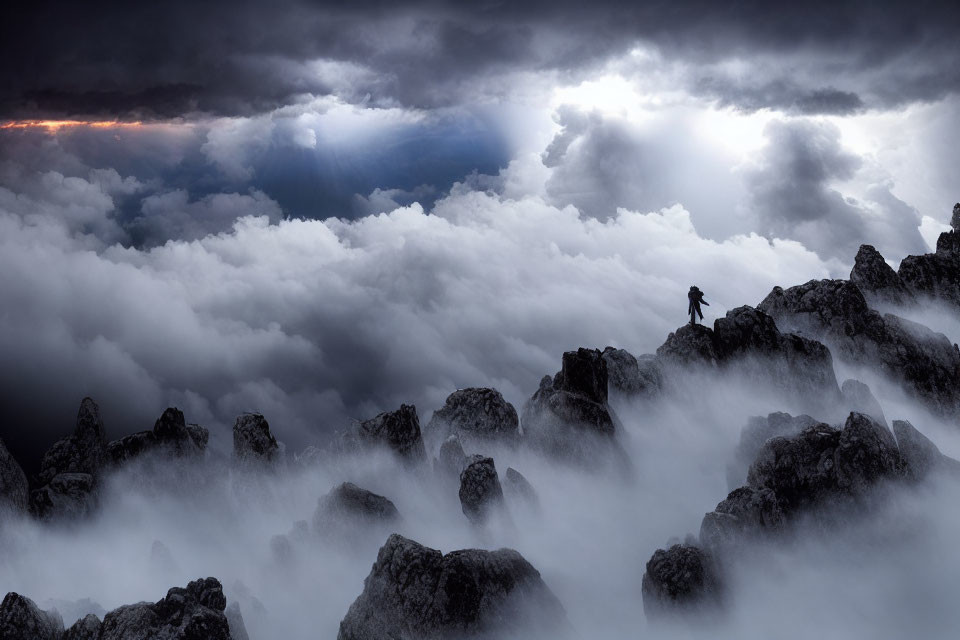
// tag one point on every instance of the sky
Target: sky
(321, 210)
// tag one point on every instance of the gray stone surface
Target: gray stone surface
(417, 593)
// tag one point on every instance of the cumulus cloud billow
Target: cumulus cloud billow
(313, 322)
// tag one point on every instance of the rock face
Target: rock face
(451, 460)
(238, 630)
(85, 451)
(86, 628)
(14, 490)
(857, 397)
(758, 431)
(252, 440)
(568, 416)
(679, 579)
(397, 430)
(68, 496)
(876, 279)
(21, 619)
(746, 512)
(348, 509)
(415, 593)
(749, 339)
(476, 414)
(480, 491)
(822, 462)
(633, 376)
(920, 456)
(171, 435)
(937, 275)
(519, 489)
(190, 613)
(193, 613)
(925, 363)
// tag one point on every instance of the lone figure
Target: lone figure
(695, 296)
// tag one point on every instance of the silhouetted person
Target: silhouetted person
(695, 296)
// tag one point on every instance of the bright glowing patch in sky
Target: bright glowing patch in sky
(55, 125)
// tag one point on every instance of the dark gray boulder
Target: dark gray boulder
(192, 613)
(758, 430)
(67, 496)
(478, 414)
(86, 628)
(171, 435)
(955, 220)
(349, 509)
(745, 513)
(252, 440)
(569, 418)
(398, 431)
(823, 463)
(936, 275)
(920, 456)
(451, 459)
(417, 593)
(749, 339)
(633, 376)
(679, 580)
(481, 495)
(690, 344)
(877, 280)
(925, 363)
(14, 490)
(85, 451)
(22, 619)
(858, 397)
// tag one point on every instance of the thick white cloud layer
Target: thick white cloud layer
(314, 321)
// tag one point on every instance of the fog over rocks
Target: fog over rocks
(804, 487)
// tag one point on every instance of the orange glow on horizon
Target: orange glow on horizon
(53, 126)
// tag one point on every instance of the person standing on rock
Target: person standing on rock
(695, 296)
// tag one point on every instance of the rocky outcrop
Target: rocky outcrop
(14, 490)
(748, 339)
(68, 496)
(631, 375)
(476, 414)
(877, 280)
(822, 463)
(480, 492)
(398, 431)
(238, 630)
(451, 459)
(519, 489)
(678, 580)
(920, 456)
(858, 397)
(759, 429)
(568, 417)
(417, 593)
(86, 628)
(21, 619)
(745, 513)
(349, 509)
(936, 275)
(925, 363)
(171, 435)
(194, 612)
(252, 440)
(82, 452)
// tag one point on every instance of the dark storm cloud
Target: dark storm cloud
(794, 195)
(173, 58)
